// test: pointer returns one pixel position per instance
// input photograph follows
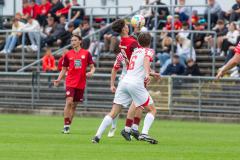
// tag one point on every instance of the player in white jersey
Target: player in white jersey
(132, 88)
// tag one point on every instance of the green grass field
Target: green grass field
(25, 137)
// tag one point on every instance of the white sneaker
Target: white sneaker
(111, 132)
(35, 48)
(222, 54)
(3, 51)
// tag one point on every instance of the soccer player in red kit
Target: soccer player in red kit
(75, 63)
(232, 63)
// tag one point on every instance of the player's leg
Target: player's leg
(78, 98)
(114, 127)
(67, 115)
(121, 99)
(107, 121)
(148, 121)
(136, 122)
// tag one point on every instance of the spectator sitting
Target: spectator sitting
(65, 38)
(64, 11)
(27, 10)
(233, 14)
(12, 39)
(57, 31)
(192, 68)
(198, 38)
(221, 31)
(77, 14)
(162, 12)
(183, 12)
(48, 28)
(230, 39)
(215, 9)
(35, 9)
(185, 27)
(177, 23)
(56, 5)
(110, 41)
(147, 13)
(166, 49)
(60, 61)
(34, 37)
(44, 9)
(175, 68)
(86, 30)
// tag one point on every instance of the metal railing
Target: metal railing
(186, 31)
(172, 9)
(23, 40)
(109, 8)
(68, 46)
(174, 94)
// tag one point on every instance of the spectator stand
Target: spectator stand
(59, 52)
(23, 43)
(186, 31)
(108, 15)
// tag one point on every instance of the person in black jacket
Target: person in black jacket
(56, 5)
(175, 68)
(192, 68)
(65, 38)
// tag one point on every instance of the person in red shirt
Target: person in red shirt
(75, 63)
(64, 11)
(27, 10)
(231, 63)
(177, 23)
(43, 12)
(35, 9)
(48, 62)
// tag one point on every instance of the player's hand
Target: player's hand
(147, 79)
(220, 74)
(89, 74)
(56, 82)
(156, 75)
(113, 89)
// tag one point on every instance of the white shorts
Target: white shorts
(128, 92)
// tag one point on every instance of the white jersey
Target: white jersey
(136, 71)
(120, 61)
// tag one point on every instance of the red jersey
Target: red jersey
(44, 8)
(48, 63)
(60, 63)
(128, 44)
(237, 49)
(27, 11)
(77, 63)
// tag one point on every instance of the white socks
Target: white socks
(114, 122)
(105, 123)
(147, 123)
(135, 127)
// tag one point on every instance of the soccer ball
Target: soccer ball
(138, 21)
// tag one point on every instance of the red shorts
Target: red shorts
(76, 93)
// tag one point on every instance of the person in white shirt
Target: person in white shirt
(12, 39)
(34, 37)
(230, 39)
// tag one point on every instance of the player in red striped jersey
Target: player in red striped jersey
(231, 63)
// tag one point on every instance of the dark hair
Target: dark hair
(144, 39)
(185, 23)
(176, 56)
(79, 37)
(118, 25)
(70, 25)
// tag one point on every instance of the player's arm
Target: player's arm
(60, 76)
(155, 74)
(147, 67)
(113, 78)
(232, 63)
(92, 70)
